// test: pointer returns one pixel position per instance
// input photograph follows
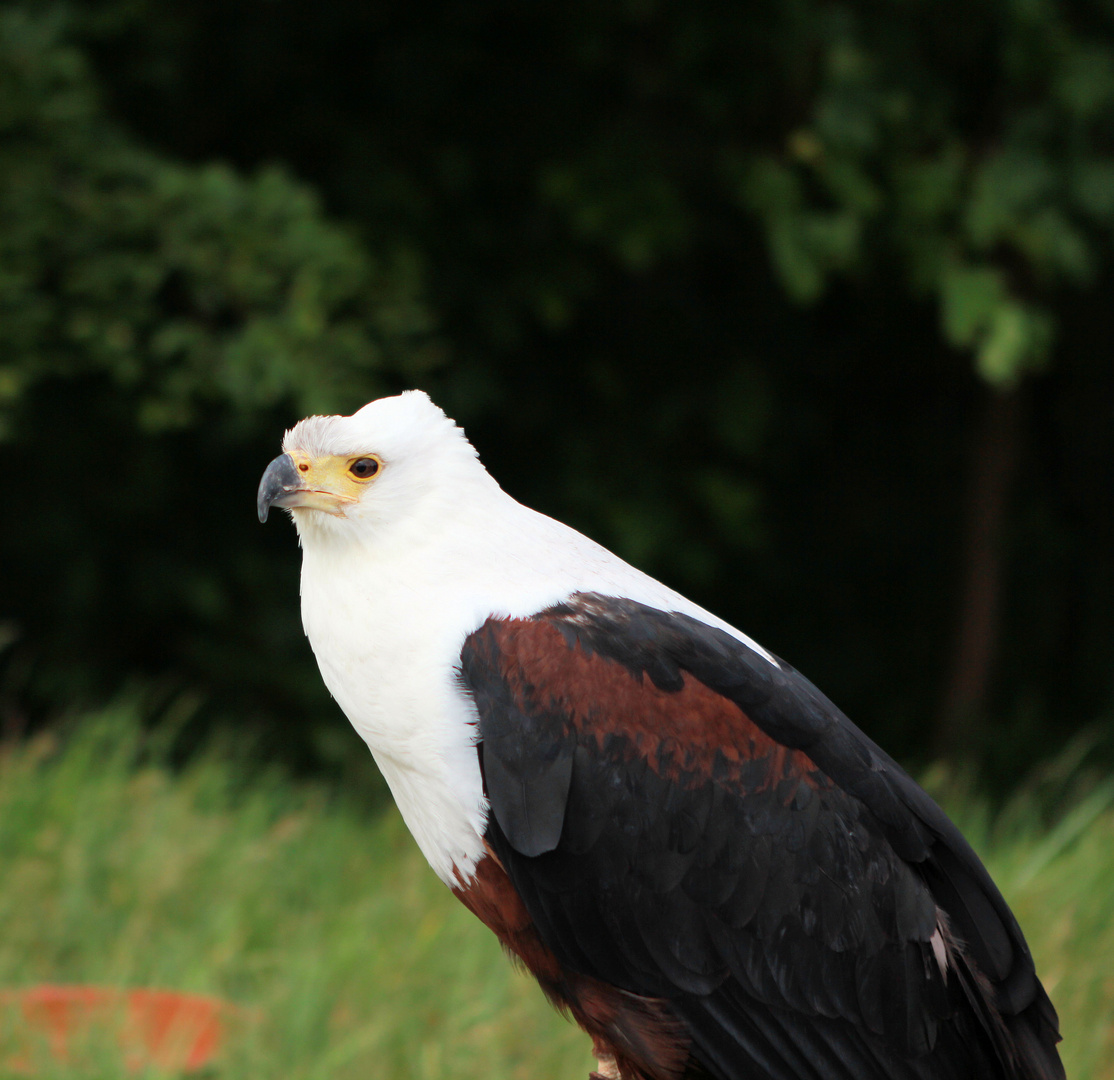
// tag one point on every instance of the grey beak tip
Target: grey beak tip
(279, 478)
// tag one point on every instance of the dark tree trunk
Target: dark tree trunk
(993, 463)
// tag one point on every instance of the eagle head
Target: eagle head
(343, 474)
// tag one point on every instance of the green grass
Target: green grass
(349, 958)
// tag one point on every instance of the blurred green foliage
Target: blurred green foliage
(182, 285)
(151, 313)
(724, 286)
(348, 958)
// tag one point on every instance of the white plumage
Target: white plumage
(392, 585)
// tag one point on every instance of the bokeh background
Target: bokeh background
(801, 306)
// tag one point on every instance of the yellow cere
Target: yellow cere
(331, 483)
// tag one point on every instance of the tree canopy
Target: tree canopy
(799, 306)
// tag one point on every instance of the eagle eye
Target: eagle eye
(364, 468)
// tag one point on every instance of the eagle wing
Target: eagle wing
(689, 823)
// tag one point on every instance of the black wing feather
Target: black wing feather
(781, 894)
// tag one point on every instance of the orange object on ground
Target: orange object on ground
(165, 1028)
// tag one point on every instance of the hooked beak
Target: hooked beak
(283, 484)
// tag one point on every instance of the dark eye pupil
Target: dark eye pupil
(365, 467)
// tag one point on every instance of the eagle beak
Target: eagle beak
(280, 481)
(285, 484)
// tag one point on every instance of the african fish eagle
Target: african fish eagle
(696, 854)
